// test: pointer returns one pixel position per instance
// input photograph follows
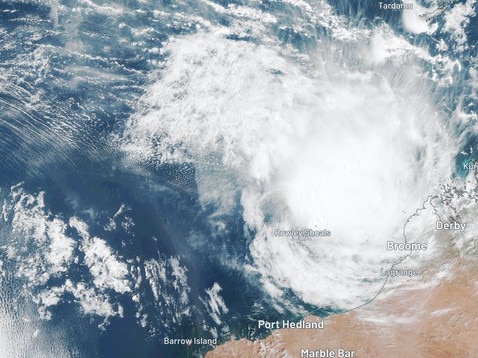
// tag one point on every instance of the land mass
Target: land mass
(431, 315)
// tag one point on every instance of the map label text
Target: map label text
(455, 225)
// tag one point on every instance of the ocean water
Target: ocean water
(149, 149)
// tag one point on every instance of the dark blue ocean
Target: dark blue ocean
(106, 254)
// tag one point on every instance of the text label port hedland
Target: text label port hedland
(291, 325)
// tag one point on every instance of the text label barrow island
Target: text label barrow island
(190, 341)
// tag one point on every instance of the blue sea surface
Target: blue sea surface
(71, 75)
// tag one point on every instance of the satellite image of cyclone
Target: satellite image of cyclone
(238, 178)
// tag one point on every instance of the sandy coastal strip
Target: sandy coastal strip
(428, 317)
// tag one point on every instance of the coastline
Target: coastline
(434, 315)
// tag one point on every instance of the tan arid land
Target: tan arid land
(433, 315)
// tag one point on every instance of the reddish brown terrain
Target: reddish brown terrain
(433, 315)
